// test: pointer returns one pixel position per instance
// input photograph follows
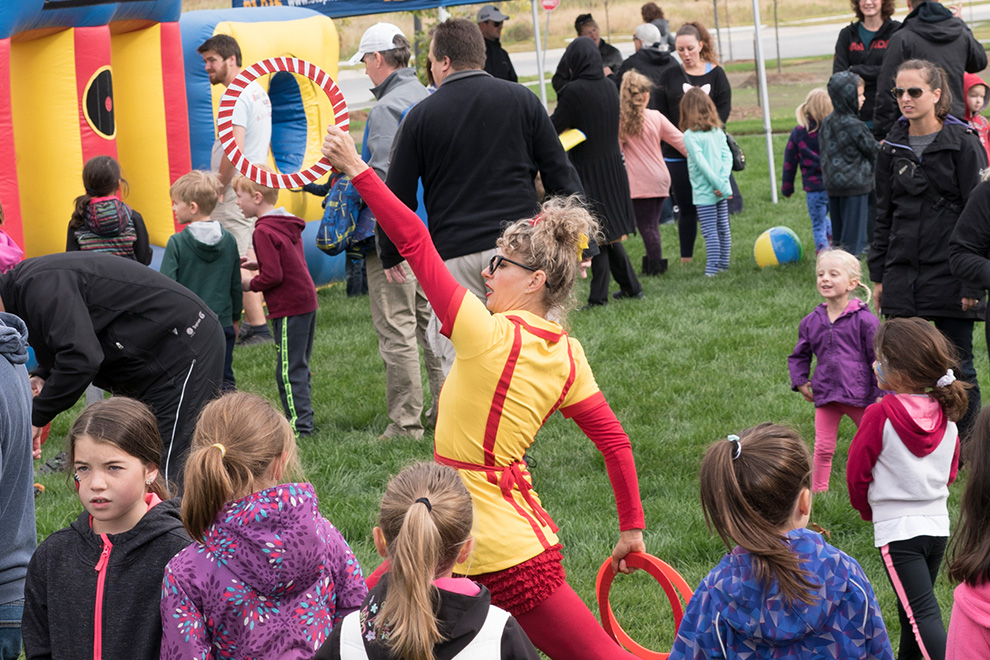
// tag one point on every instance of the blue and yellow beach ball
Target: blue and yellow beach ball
(777, 245)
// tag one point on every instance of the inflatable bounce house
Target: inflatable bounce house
(82, 78)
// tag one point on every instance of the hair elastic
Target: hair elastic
(429, 507)
(536, 220)
(735, 438)
(947, 379)
(223, 450)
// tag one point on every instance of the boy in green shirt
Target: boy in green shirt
(204, 258)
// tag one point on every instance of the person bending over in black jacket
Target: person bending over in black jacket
(96, 318)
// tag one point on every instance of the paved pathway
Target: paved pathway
(814, 37)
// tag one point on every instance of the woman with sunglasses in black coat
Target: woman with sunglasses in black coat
(926, 169)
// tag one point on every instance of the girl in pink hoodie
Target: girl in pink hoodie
(969, 558)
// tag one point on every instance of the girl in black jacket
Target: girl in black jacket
(918, 203)
(861, 46)
(93, 588)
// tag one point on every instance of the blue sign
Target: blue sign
(340, 8)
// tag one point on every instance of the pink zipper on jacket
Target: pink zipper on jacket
(101, 566)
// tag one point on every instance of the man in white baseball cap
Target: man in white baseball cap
(378, 38)
(497, 61)
(399, 309)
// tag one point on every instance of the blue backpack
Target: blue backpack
(347, 220)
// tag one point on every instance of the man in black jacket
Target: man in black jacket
(497, 61)
(97, 318)
(930, 32)
(477, 143)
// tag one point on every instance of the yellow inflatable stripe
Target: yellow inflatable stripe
(140, 103)
(43, 96)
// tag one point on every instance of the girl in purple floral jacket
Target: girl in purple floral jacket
(269, 577)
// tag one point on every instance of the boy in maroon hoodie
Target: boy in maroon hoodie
(289, 293)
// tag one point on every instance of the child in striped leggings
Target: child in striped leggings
(709, 166)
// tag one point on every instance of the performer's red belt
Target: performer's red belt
(507, 477)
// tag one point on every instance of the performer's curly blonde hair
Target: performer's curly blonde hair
(553, 242)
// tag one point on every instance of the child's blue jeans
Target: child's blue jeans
(821, 226)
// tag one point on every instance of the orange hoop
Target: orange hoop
(673, 585)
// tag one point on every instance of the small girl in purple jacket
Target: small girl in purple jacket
(839, 333)
(268, 576)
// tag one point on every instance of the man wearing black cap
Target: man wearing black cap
(497, 61)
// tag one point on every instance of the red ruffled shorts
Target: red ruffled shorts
(520, 588)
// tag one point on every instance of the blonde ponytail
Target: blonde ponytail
(425, 517)
(238, 439)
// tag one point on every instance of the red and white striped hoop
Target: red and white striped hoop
(225, 125)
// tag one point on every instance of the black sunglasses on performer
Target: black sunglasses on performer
(496, 263)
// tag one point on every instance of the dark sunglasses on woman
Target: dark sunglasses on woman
(913, 92)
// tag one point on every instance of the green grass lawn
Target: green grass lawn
(697, 359)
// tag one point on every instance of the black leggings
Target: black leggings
(912, 566)
(687, 220)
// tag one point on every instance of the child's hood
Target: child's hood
(284, 223)
(974, 602)
(205, 239)
(272, 539)
(738, 597)
(161, 519)
(13, 339)
(921, 441)
(971, 80)
(106, 216)
(843, 89)
(854, 307)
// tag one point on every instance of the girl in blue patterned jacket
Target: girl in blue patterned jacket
(782, 592)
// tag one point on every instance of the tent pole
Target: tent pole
(539, 61)
(761, 66)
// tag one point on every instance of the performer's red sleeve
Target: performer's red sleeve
(412, 238)
(863, 454)
(596, 419)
